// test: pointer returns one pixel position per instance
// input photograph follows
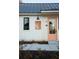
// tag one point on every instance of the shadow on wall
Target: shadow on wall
(31, 42)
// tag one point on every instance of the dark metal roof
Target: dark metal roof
(37, 7)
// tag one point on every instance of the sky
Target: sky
(40, 1)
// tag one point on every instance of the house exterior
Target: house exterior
(38, 21)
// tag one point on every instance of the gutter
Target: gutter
(49, 11)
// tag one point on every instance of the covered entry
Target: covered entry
(53, 28)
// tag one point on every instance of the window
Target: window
(52, 28)
(37, 25)
(26, 23)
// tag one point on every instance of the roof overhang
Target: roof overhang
(41, 13)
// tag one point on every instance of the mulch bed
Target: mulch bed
(38, 54)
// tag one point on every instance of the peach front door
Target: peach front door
(52, 28)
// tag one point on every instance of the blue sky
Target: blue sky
(40, 1)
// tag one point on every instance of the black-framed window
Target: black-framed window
(26, 23)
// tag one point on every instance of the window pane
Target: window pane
(37, 25)
(26, 23)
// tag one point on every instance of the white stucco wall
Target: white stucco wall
(33, 34)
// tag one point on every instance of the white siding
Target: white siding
(32, 33)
